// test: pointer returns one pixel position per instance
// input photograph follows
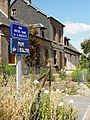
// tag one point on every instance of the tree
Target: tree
(85, 45)
(83, 61)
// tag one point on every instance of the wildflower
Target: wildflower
(42, 89)
(62, 90)
(46, 91)
(66, 89)
(36, 82)
(30, 48)
(66, 95)
(42, 43)
(61, 104)
(57, 82)
(52, 91)
(63, 94)
(32, 39)
(36, 31)
(71, 101)
(57, 90)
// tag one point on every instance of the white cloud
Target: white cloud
(74, 28)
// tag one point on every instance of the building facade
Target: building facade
(55, 50)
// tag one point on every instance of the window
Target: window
(11, 57)
(54, 33)
(65, 61)
(13, 12)
(46, 56)
(37, 56)
(60, 60)
(41, 29)
(42, 32)
(70, 58)
(55, 57)
(60, 37)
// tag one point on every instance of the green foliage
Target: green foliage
(44, 109)
(66, 112)
(88, 77)
(40, 109)
(62, 75)
(77, 74)
(7, 70)
(69, 91)
(89, 67)
(74, 76)
(85, 45)
(43, 71)
(83, 62)
(72, 91)
(51, 78)
(35, 43)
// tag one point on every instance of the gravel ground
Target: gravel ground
(82, 103)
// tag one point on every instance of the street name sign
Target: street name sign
(19, 31)
(19, 46)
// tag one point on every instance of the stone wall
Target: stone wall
(4, 6)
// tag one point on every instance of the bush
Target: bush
(62, 75)
(74, 76)
(77, 75)
(7, 69)
(43, 71)
(88, 76)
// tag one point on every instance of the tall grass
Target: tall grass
(13, 108)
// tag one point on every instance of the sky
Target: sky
(74, 14)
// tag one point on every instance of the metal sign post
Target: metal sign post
(19, 45)
(18, 74)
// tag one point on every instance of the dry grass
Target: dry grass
(54, 98)
(12, 108)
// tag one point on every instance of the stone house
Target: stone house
(71, 56)
(61, 55)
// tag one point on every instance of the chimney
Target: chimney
(29, 1)
(4, 6)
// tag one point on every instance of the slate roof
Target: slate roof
(38, 10)
(17, 20)
(71, 47)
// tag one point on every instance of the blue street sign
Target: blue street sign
(18, 31)
(19, 46)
